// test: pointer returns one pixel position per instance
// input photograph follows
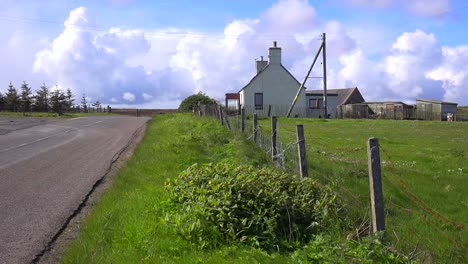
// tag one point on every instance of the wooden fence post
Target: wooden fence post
(255, 127)
(269, 110)
(199, 109)
(375, 184)
(220, 109)
(274, 150)
(301, 151)
(242, 120)
(226, 117)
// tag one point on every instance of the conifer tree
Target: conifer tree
(2, 102)
(12, 98)
(26, 99)
(69, 99)
(57, 101)
(84, 103)
(41, 102)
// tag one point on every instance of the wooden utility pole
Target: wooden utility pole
(304, 81)
(301, 151)
(324, 64)
(375, 184)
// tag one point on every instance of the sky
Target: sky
(153, 54)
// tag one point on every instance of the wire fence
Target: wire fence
(348, 174)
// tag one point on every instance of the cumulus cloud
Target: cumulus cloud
(416, 67)
(129, 97)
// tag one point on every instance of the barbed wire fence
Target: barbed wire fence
(287, 158)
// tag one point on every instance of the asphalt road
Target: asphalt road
(47, 167)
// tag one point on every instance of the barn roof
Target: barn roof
(435, 101)
(345, 95)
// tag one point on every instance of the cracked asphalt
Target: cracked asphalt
(47, 167)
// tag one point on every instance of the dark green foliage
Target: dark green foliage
(57, 101)
(26, 99)
(324, 249)
(41, 102)
(69, 99)
(266, 208)
(188, 103)
(2, 102)
(12, 98)
(84, 103)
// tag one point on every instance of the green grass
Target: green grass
(430, 159)
(128, 225)
(47, 114)
(462, 110)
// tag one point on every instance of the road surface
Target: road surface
(47, 167)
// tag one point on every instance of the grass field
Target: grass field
(425, 170)
(47, 114)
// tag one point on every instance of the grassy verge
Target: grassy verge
(47, 114)
(128, 225)
(424, 168)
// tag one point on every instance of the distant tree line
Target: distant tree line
(44, 100)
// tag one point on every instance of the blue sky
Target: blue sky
(154, 53)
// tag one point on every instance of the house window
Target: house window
(258, 101)
(315, 103)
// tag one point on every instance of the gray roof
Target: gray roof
(435, 101)
(345, 95)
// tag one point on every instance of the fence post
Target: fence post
(274, 150)
(242, 120)
(226, 117)
(199, 109)
(255, 127)
(301, 151)
(375, 184)
(269, 110)
(220, 109)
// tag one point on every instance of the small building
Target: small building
(336, 98)
(435, 110)
(391, 110)
(272, 89)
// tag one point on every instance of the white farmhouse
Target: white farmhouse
(272, 89)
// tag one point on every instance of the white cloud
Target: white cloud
(129, 97)
(147, 97)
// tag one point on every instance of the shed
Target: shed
(336, 98)
(434, 109)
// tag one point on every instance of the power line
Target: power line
(207, 35)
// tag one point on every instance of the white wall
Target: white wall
(332, 101)
(278, 88)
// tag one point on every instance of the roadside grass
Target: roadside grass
(48, 114)
(128, 225)
(422, 161)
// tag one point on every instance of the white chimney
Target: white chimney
(274, 54)
(261, 64)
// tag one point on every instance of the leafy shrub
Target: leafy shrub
(215, 204)
(188, 103)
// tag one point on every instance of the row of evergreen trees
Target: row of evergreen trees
(44, 100)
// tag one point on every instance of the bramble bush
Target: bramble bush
(215, 204)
